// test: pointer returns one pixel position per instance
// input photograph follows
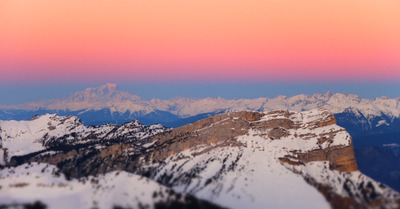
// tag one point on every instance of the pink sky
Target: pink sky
(180, 40)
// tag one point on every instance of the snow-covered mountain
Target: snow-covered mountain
(50, 130)
(276, 159)
(257, 168)
(106, 96)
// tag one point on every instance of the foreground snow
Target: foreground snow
(43, 182)
(242, 177)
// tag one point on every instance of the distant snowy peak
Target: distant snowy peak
(369, 107)
(103, 97)
(103, 94)
(108, 97)
(337, 103)
(107, 89)
(40, 132)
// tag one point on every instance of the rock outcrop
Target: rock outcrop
(61, 133)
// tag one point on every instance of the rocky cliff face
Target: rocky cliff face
(278, 159)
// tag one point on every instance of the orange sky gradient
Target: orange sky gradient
(181, 40)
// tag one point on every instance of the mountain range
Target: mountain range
(116, 106)
(374, 124)
(242, 159)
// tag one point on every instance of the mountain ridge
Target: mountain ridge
(41, 132)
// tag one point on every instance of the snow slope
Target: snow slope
(31, 182)
(241, 177)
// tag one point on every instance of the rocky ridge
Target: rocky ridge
(50, 131)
